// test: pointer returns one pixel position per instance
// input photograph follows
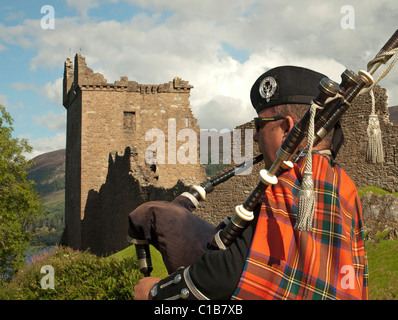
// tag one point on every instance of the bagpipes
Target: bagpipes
(324, 113)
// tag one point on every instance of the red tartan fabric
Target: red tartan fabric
(329, 262)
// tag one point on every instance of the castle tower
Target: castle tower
(103, 121)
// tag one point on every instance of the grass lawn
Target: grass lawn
(377, 190)
(383, 270)
(159, 269)
(382, 260)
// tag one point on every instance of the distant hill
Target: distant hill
(48, 171)
(393, 114)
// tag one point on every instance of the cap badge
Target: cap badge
(267, 88)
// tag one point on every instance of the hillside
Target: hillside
(48, 171)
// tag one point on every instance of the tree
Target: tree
(20, 205)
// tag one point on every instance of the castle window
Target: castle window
(186, 122)
(129, 120)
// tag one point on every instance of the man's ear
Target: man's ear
(287, 125)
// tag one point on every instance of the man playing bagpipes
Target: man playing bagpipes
(282, 253)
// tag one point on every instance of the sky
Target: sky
(220, 46)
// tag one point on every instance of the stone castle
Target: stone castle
(107, 125)
(111, 168)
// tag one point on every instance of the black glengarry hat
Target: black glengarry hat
(285, 84)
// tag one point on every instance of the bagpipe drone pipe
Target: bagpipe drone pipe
(324, 113)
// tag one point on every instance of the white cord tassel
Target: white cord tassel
(374, 152)
(306, 201)
(306, 204)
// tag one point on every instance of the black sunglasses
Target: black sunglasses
(259, 122)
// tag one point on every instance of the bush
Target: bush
(78, 276)
(20, 205)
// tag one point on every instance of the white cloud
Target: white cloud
(4, 103)
(172, 38)
(83, 6)
(21, 35)
(53, 91)
(3, 100)
(223, 112)
(20, 86)
(392, 91)
(15, 16)
(52, 121)
(47, 144)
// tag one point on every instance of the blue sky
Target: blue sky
(220, 47)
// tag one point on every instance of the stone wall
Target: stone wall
(352, 156)
(222, 201)
(380, 214)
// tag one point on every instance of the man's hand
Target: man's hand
(143, 288)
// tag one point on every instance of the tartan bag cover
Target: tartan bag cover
(328, 262)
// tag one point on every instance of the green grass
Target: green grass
(383, 270)
(56, 196)
(376, 190)
(159, 269)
